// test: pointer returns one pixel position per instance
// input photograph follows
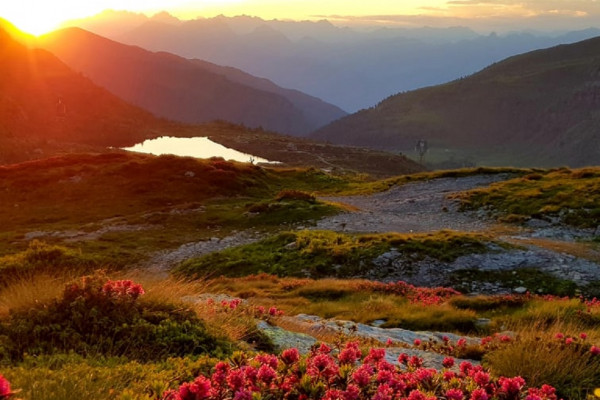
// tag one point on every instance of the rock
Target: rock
(520, 290)
(537, 223)
(597, 231)
(291, 246)
(189, 174)
(378, 322)
(482, 322)
(283, 339)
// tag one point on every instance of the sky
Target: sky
(40, 16)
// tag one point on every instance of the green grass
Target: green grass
(65, 376)
(534, 280)
(362, 301)
(573, 196)
(325, 253)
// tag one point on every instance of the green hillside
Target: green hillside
(535, 109)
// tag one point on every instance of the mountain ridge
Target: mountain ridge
(533, 109)
(187, 90)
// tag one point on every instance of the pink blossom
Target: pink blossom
(220, 375)
(266, 374)
(351, 393)
(595, 350)
(568, 340)
(350, 353)
(375, 355)
(479, 394)
(362, 375)
(465, 367)
(583, 335)
(268, 359)
(236, 379)
(559, 335)
(415, 362)
(448, 362)
(454, 394)
(273, 311)
(242, 395)
(403, 358)
(417, 342)
(4, 387)
(384, 392)
(511, 386)
(462, 342)
(481, 378)
(324, 349)
(290, 356)
(449, 375)
(416, 395)
(322, 365)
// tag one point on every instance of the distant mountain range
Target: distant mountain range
(537, 109)
(190, 91)
(350, 68)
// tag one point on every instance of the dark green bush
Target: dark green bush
(94, 318)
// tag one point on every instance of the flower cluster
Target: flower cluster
(351, 376)
(416, 295)
(592, 304)
(462, 348)
(5, 391)
(98, 288)
(124, 289)
(577, 342)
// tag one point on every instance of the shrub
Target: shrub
(295, 195)
(96, 316)
(349, 376)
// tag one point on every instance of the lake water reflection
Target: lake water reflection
(199, 147)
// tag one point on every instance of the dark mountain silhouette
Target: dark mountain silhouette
(189, 91)
(536, 109)
(44, 103)
(351, 68)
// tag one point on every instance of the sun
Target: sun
(34, 17)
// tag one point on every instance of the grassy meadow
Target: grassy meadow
(80, 319)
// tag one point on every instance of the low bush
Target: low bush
(350, 376)
(99, 317)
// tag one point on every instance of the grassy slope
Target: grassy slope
(534, 109)
(324, 254)
(160, 201)
(571, 196)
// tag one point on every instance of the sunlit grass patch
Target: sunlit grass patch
(556, 354)
(327, 253)
(573, 196)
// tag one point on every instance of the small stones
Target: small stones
(520, 290)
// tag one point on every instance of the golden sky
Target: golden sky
(38, 16)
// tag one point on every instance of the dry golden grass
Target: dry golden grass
(541, 358)
(30, 290)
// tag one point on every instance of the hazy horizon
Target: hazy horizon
(482, 16)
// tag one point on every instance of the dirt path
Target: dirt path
(414, 207)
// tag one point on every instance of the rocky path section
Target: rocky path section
(415, 207)
(161, 262)
(313, 327)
